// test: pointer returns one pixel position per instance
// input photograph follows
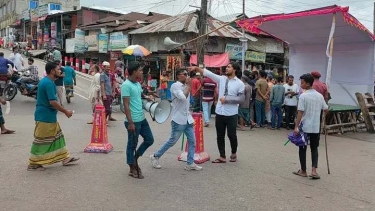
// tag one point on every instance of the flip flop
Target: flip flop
(219, 161)
(8, 132)
(35, 168)
(316, 176)
(71, 161)
(298, 173)
(233, 159)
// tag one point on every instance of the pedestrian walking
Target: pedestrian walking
(182, 121)
(59, 82)
(49, 143)
(231, 93)
(277, 99)
(135, 121)
(310, 105)
(69, 81)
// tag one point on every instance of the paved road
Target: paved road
(260, 180)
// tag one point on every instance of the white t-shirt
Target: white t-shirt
(311, 103)
(291, 101)
(17, 60)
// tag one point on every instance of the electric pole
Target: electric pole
(202, 31)
(243, 40)
(373, 27)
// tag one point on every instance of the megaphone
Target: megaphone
(159, 111)
(170, 44)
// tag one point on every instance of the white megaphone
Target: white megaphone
(170, 44)
(159, 111)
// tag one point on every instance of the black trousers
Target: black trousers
(290, 115)
(222, 124)
(314, 144)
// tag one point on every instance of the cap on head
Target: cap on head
(316, 74)
(106, 64)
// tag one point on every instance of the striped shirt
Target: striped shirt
(209, 87)
(311, 103)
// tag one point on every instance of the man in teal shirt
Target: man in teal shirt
(277, 101)
(56, 55)
(135, 122)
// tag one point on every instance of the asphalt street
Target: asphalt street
(261, 179)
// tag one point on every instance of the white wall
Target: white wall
(352, 68)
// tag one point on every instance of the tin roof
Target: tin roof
(187, 22)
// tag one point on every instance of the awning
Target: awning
(218, 60)
(42, 18)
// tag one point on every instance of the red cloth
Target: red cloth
(218, 60)
(321, 88)
(195, 85)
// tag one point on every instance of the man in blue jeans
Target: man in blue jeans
(182, 121)
(277, 100)
(261, 98)
(135, 122)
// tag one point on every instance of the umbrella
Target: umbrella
(136, 50)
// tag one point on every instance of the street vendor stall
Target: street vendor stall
(329, 40)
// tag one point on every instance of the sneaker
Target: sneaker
(155, 162)
(193, 166)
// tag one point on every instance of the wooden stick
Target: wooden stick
(325, 142)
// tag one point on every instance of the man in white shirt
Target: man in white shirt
(16, 58)
(310, 105)
(231, 94)
(182, 121)
(291, 101)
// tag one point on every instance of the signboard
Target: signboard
(79, 41)
(34, 15)
(103, 43)
(70, 45)
(115, 55)
(255, 56)
(53, 34)
(234, 51)
(43, 10)
(26, 15)
(118, 41)
(91, 43)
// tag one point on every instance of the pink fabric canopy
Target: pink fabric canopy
(218, 60)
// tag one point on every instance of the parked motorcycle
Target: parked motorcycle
(48, 57)
(16, 84)
(5, 79)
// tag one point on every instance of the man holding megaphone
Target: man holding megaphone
(182, 121)
(135, 122)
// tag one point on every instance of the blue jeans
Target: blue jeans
(207, 111)
(260, 110)
(163, 94)
(176, 133)
(141, 128)
(276, 112)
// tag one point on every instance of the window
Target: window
(55, 6)
(33, 5)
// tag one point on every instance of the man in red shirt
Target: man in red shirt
(320, 86)
(196, 92)
(208, 98)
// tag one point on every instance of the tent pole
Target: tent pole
(330, 53)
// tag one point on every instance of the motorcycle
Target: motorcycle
(48, 57)
(5, 79)
(16, 83)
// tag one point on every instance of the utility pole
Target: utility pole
(373, 27)
(202, 31)
(243, 39)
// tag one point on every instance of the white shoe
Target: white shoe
(193, 166)
(155, 162)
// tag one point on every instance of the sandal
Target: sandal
(35, 168)
(8, 132)
(315, 176)
(233, 158)
(299, 173)
(70, 161)
(219, 160)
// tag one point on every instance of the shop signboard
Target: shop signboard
(118, 41)
(255, 56)
(69, 45)
(234, 51)
(43, 10)
(91, 43)
(26, 15)
(103, 43)
(79, 42)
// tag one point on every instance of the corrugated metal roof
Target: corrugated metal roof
(105, 9)
(187, 22)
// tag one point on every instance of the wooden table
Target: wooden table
(342, 118)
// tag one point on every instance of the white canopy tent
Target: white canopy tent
(309, 33)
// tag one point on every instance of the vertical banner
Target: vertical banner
(103, 43)
(53, 34)
(198, 129)
(79, 41)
